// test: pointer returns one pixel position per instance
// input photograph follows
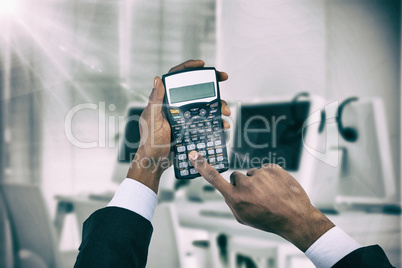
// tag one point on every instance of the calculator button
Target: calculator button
(215, 104)
(194, 138)
(180, 121)
(207, 123)
(200, 145)
(219, 158)
(213, 111)
(186, 133)
(193, 171)
(201, 131)
(211, 151)
(190, 164)
(211, 116)
(196, 117)
(190, 147)
(209, 144)
(208, 129)
(217, 128)
(187, 140)
(202, 137)
(194, 109)
(203, 112)
(192, 126)
(200, 124)
(217, 134)
(202, 153)
(219, 150)
(209, 136)
(184, 172)
(181, 149)
(212, 160)
(176, 117)
(218, 142)
(219, 166)
(215, 122)
(182, 156)
(177, 128)
(187, 114)
(193, 132)
(183, 165)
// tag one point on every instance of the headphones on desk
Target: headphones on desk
(349, 134)
(295, 126)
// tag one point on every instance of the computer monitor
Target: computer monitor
(367, 175)
(363, 176)
(269, 133)
(129, 139)
(274, 132)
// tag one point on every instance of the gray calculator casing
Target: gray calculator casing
(196, 126)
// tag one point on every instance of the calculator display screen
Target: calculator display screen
(193, 92)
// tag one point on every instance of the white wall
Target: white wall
(363, 58)
(272, 47)
(335, 49)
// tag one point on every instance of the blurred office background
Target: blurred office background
(57, 54)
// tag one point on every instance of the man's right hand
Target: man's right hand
(269, 199)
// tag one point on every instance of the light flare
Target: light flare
(7, 6)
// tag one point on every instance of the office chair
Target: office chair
(6, 245)
(33, 234)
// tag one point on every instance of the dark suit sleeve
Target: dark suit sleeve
(114, 237)
(367, 257)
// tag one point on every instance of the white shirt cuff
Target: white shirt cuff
(135, 196)
(331, 247)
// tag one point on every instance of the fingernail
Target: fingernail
(193, 155)
(155, 82)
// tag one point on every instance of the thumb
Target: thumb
(157, 94)
(209, 173)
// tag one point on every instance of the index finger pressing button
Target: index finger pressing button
(210, 174)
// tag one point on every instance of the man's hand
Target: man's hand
(153, 155)
(269, 199)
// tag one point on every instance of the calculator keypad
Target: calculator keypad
(199, 129)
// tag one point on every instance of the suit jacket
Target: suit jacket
(372, 256)
(116, 237)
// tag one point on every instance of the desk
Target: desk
(366, 228)
(81, 205)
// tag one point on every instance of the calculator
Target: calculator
(193, 109)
